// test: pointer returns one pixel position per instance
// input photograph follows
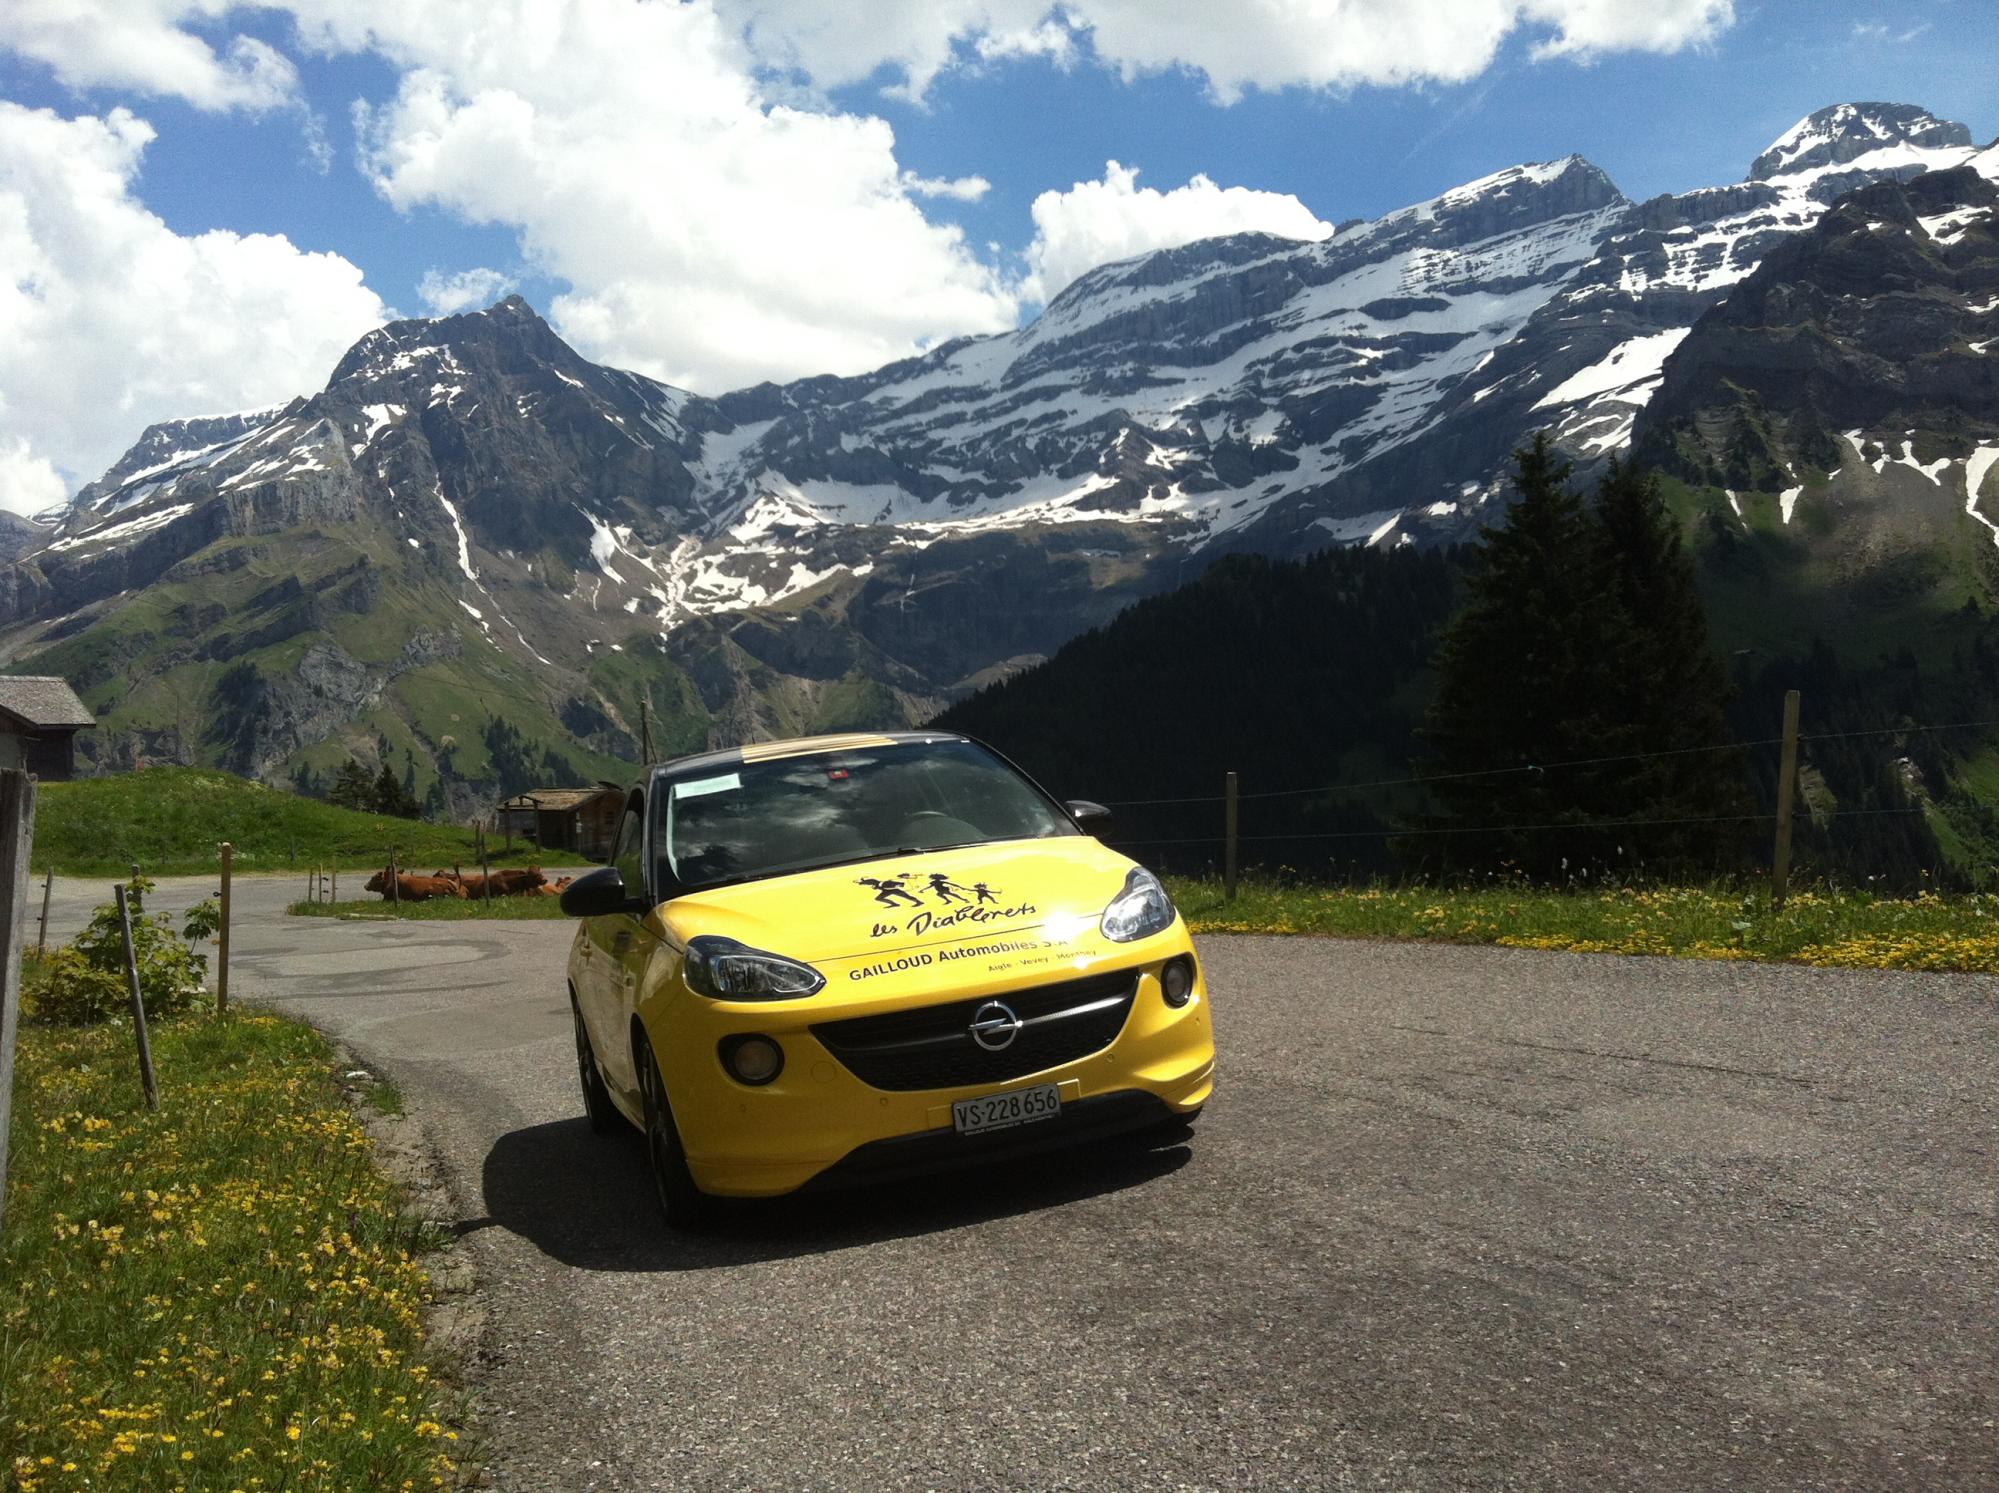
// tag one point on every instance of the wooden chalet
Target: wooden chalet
(39, 718)
(583, 820)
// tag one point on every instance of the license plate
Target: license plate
(998, 1111)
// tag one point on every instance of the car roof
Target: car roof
(795, 746)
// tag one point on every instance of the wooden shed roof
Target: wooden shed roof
(43, 701)
(557, 799)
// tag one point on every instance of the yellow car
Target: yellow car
(857, 958)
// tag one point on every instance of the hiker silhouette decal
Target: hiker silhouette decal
(942, 891)
(890, 891)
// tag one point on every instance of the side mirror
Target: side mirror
(1090, 816)
(599, 893)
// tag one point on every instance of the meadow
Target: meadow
(170, 821)
(1845, 929)
(221, 1294)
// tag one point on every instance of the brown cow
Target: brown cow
(517, 882)
(414, 888)
(506, 883)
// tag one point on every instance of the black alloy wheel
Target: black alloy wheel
(685, 1206)
(597, 1106)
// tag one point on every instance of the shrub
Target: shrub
(85, 983)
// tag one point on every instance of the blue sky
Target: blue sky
(713, 209)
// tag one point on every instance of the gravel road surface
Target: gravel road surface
(1456, 1218)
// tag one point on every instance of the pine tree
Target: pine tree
(1580, 668)
(352, 787)
(1669, 684)
(1524, 678)
(391, 797)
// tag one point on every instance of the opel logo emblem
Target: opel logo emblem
(994, 1026)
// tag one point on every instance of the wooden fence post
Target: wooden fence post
(1787, 794)
(17, 842)
(138, 1005)
(334, 896)
(395, 883)
(486, 871)
(222, 936)
(42, 937)
(1229, 838)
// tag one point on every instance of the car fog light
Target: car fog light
(752, 1060)
(1176, 981)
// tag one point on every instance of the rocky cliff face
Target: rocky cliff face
(839, 550)
(1838, 416)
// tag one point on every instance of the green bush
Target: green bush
(84, 982)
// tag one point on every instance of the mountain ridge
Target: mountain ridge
(862, 549)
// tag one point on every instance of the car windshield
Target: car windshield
(791, 814)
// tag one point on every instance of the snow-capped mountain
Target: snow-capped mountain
(904, 532)
(1839, 413)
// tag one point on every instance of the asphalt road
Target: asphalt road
(1456, 1218)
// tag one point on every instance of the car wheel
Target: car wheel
(597, 1106)
(685, 1205)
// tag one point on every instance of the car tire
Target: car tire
(597, 1106)
(685, 1206)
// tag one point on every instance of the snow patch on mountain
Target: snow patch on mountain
(116, 534)
(1631, 371)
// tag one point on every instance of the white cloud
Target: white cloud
(318, 146)
(1587, 27)
(1244, 44)
(716, 225)
(143, 45)
(28, 483)
(959, 189)
(109, 320)
(445, 295)
(711, 237)
(1096, 222)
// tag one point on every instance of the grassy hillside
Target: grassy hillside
(169, 820)
(286, 655)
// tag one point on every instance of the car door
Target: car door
(629, 943)
(606, 940)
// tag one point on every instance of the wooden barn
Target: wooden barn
(39, 718)
(584, 820)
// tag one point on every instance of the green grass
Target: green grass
(437, 910)
(222, 1294)
(385, 1098)
(1838, 929)
(169, 821)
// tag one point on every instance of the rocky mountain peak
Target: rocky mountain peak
(509, 332)
(1518, 197)
(1839, 133)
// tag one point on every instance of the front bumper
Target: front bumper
(818, 1119)
(903, 1157)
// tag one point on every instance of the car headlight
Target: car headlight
(724, 970)
(1139, 911)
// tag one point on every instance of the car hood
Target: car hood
(996, 906)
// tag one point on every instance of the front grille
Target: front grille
(932, 1047)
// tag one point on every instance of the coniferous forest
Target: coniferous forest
(1548, 703)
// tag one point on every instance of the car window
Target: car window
(766, 818)
(629, 856)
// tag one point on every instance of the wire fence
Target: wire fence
(1393, 832)
(1524, 768)
(1161, 823)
